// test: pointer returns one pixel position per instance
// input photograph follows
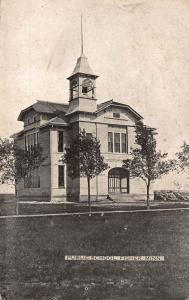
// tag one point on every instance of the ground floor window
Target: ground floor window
(61, 176)
(32, 179)
(118, 181)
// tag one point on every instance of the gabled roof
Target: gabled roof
(54, 121)
(104, 104)
(58, 121)
(82, 67)
(109, 103)
(45, 107)
(15, 135)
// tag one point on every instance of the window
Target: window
(25, 143)
(124, 143)
(117, 142)
(74, 89)
(31, 141)
(84, 90)
(87, 87)
(89, 135)
(36, 139)
(116, 115)
(61, 176)
(60, 141)
(32, 179)
(110, 142)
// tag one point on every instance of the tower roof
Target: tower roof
(82, 67)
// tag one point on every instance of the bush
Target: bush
(171, 196)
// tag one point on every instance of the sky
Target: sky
(140, 50)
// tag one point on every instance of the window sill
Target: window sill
(116, 153)
(36, 188)
(114, 118)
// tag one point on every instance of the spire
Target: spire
(82, 65)
(81, 35)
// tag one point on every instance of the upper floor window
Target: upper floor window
(31, 141)
(124, 142)
(116, 115)
(110, 141)
(60, 141)
(117, 142)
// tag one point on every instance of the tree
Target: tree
(146, 162)
(84, 159)
(17, 164)
(183, 158)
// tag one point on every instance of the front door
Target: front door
(118, 181)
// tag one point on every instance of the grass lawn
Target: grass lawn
(50, 208)
(32, 249)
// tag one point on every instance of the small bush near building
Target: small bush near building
(171, 195)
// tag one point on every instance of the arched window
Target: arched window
(74, 89)
(118, 181)
(87, 88)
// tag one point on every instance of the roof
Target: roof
(45, 107)
(54, 121)
(103, 105)
(54, 108)
(57, 121)
(109, 103)
(15, 135)
(82, 67)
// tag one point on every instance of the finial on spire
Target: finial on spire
(81, 35)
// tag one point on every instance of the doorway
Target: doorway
(118, 181)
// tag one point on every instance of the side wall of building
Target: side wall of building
(42, 193)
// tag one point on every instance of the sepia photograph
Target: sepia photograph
(94, 150)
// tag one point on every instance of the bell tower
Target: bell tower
(82, 84)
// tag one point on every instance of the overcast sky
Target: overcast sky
(140, 50)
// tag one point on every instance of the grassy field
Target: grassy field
(32, 249)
